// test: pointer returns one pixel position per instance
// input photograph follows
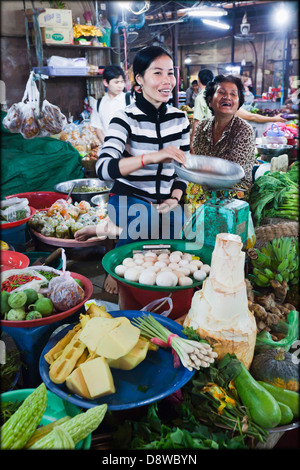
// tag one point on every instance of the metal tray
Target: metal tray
(273, 152)
(212, 172)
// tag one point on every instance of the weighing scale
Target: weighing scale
(219, 214)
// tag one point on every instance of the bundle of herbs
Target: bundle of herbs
(275, 195)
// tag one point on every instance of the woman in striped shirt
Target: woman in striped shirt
(138, 153)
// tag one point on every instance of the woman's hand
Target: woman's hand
(166, 206)
(165, 156)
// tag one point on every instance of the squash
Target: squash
(262, 407)
(276, 367)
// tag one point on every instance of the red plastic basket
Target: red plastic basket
(40, 199)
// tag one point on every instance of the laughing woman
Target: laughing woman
(224, 135)
(142, 143)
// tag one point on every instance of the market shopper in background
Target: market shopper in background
(112, 101)
(142, 142)
(201, 109)
(192, 93)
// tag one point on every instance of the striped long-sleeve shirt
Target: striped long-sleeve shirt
(137, 130)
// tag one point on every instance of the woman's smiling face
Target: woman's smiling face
(158, 81)
(225, 99)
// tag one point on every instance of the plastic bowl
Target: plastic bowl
(40, 199)
(57, 408)
(13, 260)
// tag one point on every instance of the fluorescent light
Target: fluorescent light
(282, 15)
(188, 60)
(204, 12)
(217, 24)
(166, 22)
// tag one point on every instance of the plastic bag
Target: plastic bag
(159, 303)
(290, 329)
(24, 118)
(65, 292)
(15, 211)
(51, 121)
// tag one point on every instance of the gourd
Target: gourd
(262, 406)
(79, 427)
(62, 439)
(22, 424)
(275, 366)
(288, 397)
(286, 414)
(44, 430)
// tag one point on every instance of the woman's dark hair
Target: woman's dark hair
(145, 57)
(213, 84)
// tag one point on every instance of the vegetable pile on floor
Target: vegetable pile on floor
(221, 407)
(21, 426)
(276, 195)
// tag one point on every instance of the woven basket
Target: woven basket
(266, 233)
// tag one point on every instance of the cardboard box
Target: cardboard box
(53, 17)
(56, 35)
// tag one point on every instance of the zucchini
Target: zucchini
(262, 406)
(286, 414)
(22, 424)
(288, 397)
(78, 427)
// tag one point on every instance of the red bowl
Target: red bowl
(40, 199)
(7, 225)
(13, 260)
(88, 290)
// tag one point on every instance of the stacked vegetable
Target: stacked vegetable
(276, 195)
(22, 427)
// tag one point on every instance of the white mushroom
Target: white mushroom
(183, 262)
(185, 270)
(160, 264)
(126, 261)
(185, 281)
(120, 270)
(197, 262)
(147, 277)
(166, 279)
(138, 256)
(173, 266)
(187, 256)
(192, 267)
(132, 274)
(139, 261)
(147, 264)
(179, 274)
(175, 257)
(199, 275)
(205, 268)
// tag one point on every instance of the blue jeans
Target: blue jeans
(141, 221)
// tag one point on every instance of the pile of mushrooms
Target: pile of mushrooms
(168, 269)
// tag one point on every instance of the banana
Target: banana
(263, 279)
(257, 272)
(269, 273)
(283, 265)
(263, 259)
(285, 275)
(278, 278)
(259, 283)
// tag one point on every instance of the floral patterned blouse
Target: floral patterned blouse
(237, 144)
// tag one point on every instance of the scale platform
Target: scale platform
(217, 214)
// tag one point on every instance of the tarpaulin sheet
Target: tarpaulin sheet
(36, 164)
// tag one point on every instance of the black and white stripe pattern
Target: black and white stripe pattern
(137, 130)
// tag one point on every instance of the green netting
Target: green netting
(36, 164)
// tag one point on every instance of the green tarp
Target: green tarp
(35, 164)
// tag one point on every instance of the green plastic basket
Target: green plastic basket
(57, 408)
(115, 257)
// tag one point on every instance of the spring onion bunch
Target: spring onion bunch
(192, 354)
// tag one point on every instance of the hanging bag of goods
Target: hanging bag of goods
(27, 119)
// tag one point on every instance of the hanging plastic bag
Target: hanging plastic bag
(52, 120)
(159, 303)
(64, 292)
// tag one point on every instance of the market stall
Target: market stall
(198, 350)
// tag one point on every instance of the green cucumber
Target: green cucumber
(286, 414)
(262, 406)
(288, 397)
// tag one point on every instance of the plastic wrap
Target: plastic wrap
(65, 292)
(14, 209)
